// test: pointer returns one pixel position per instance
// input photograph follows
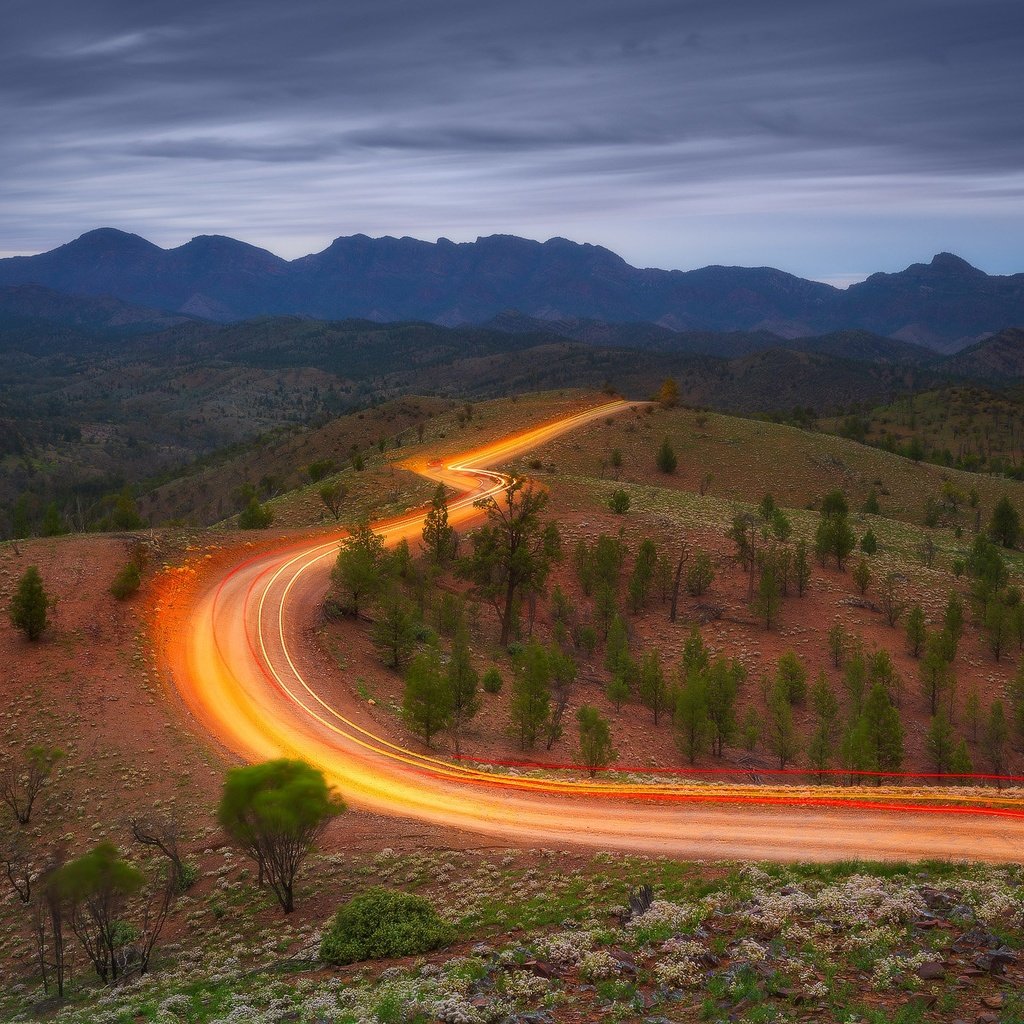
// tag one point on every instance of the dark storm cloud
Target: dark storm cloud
(286, 123)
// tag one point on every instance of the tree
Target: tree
(668, 393)
(596, 751)
(994, 737)
(869, 543)
(801, 568)
(855, 679)
(916, 630)
(768, 599)
(960, 763)
(780, 735)
(834, 535)
(96, 888)
(935, 672)
(791, 678)
(653, 688)
(940, 743)
(29, 604)
(255, 516)
(893, 604)
(21, 780)
(512, 553)
(361, 568)
(162, 831)
(440, 540)
(1005, 526)
(999, 623)
(666, 457)
(616, 648)
(617, 691)
(883, 731)
(837, 644)
(700, 575)
(462, 681)
(426, 699)
(721, 684)
(333, 497)
(862, 575)
(276, 812)
(53, 525)
(563, 674)
(642, 578)
(953, 620)
(690, 719)
(531, 694)
(972, 711)
(395, 631)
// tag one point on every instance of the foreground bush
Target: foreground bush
(127, 581)
(383, 923)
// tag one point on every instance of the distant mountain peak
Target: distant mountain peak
(108, 239)
(951, 262)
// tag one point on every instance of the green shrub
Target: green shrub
(126, 582)
(619, 502)
(383, 923)
(255, 516)
(491, 681)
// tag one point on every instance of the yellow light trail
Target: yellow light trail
(238, 651)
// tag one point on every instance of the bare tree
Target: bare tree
(21, 780)
(161, 832)
(18, 864)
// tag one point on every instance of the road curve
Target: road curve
(242, 658)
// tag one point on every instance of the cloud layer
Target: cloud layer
(820, 137)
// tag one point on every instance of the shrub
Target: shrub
(383, 923)
(255, 516)
(619, 502)
(126, 582)
(491, 681)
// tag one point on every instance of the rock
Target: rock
(975, 938)
(931, 970)
(995, 1002)
(996, 961)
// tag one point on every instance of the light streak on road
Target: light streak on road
(239, 650)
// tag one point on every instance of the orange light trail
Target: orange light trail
(237, 650)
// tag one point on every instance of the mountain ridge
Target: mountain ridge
(945, 304)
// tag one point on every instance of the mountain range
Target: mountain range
(506, 282)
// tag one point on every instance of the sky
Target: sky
(828, 139)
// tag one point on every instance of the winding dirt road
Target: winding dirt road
(240, 656)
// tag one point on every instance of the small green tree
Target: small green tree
(862, 575)
(666, 457)
(995, 737)
(332, 496)
(791, 678)
(491, 681)
(653, 687)
(940, 743)
(690, 719)
(29, 604)
(616, 650)
(700, 574)
(721, 684)
(1005, 527)
(837, 643)
(893, 602)
(936, 676)
(869, 543)
(395, 631)
(440, 540)
(531, 694)
(781, 735)
(463, 697)
(917, 633)
(768, 599)
(617, 691)
(360, 570)
(276, 812)
(596, 751)
(426, 700)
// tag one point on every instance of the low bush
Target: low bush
(383, 923)
(126, 582)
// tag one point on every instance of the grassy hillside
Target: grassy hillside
(965, 426)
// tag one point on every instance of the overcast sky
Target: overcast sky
(828, 139)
